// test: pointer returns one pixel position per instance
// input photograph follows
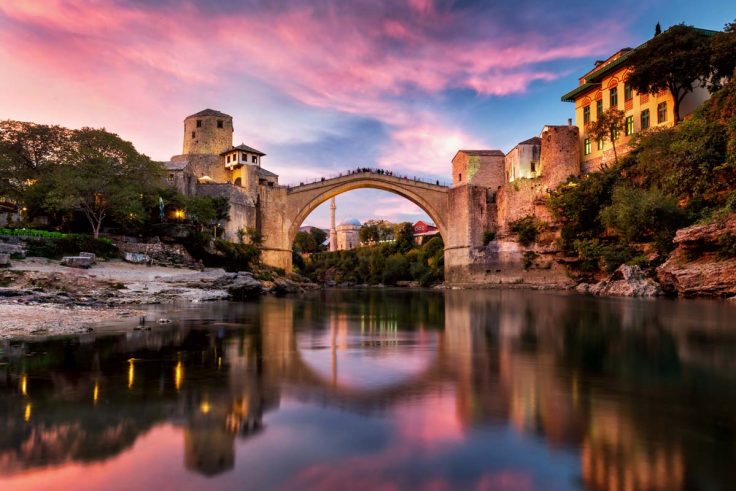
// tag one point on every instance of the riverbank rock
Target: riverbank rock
(92, 257)
(694, 268)
(76, 261)
(705, 277)
(626, 281)
(240, 286)
(12, 250)
(4, 260)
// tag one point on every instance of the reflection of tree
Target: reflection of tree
(625, 383)
(221, 397)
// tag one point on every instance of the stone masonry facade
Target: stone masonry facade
(490, 191)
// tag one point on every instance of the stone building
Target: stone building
(523, 160)
(211, 166)
(532, 169)
(479, 168)
(348, 234)
(605, 86)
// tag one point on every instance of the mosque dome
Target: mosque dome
(351, 221)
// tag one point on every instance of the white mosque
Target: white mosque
(345, 236)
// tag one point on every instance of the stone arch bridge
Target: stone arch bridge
(460, 213)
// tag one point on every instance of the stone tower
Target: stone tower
(333, 230)
(208, 132)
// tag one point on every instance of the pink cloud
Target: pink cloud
(139, 70)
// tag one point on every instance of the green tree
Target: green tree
(677, 60)
(396, 269)
(608, 127)
(103, 177)
(27, 152)
(304, 242)
(319, 236)
(369, 233)
(638, 214)
(200, 210)
(723, 55)
(577, 204)
(404, 236)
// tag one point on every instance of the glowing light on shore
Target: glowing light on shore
(27, 413)
(96, 393)
(131, 373)
(24, 384)
(205, 407)
(178, 375)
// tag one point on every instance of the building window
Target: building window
(599, 108)
(254, 159)
(533, 166)
(616, 134)
(219, 123)
(245, 157)
(587, 146)
(600, 143)
(171, 178)
(614, 96)
(645, 119)
(661, 112)
(228, 159)
(628, 92)
(586, 115)
(459, 177)
(199, 123)
(629, 125)
(194, 133)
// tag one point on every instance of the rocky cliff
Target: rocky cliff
(697, 266)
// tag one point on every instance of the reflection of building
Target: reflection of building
(208, 447)
(348, 234)
(605, 87)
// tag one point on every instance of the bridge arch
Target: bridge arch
(304, 199)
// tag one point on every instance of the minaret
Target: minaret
(333, 230)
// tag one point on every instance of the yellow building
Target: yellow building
(606, 86)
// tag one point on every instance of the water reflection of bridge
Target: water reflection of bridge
(545, 367)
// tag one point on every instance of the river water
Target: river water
(382, 390)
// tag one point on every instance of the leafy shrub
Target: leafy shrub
(595, 255)
(637, 214)
(30, 232)
(726, 246)
(529, 257)
(577, 204)
(238, 257)
(488, 236)
(527, 229)
(396, 269)
(70, 245)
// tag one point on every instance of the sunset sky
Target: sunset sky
(320, 85)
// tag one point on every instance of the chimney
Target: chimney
(569, 122)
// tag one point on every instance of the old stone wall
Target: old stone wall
(207, 138)
(519, 199)
(183, 181)
(560, 155)
(242, 211)
(205, 165)
(506, 262)
(274, 225)
(478, 168)
(471, 212)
